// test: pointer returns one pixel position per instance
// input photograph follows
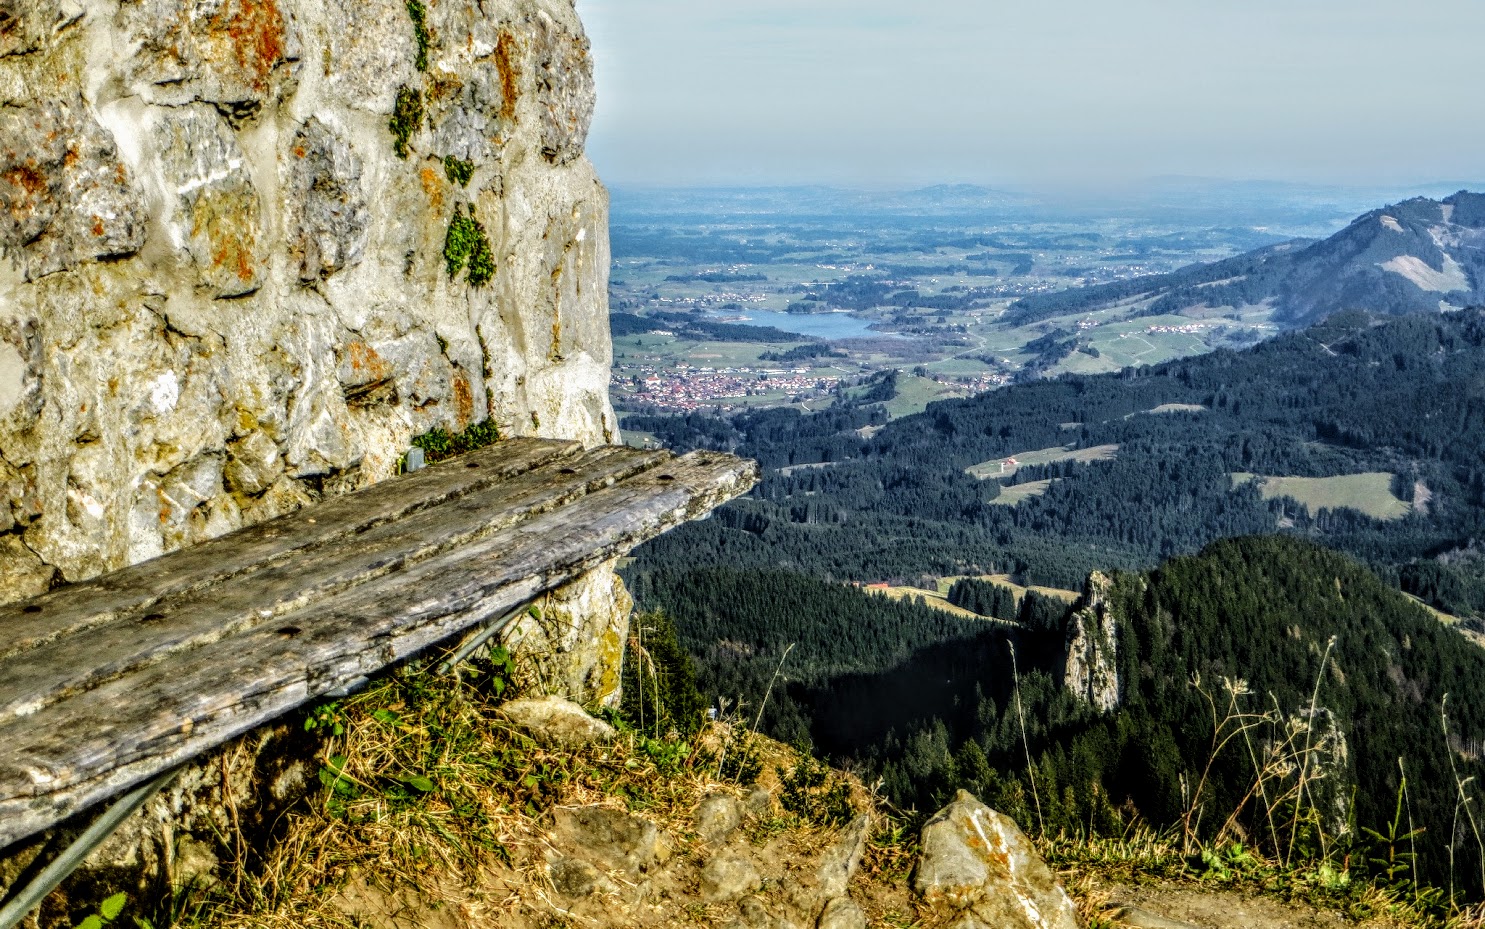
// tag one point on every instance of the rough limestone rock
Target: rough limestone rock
(840, 862)
(556, 722)
(979, 862)
(753, 913)
(573, 877)
(842, 913)
(611, 839)
(224, 296)
(760, 803)
(1138, 918)
(727, 877)
(717, 818)
(1091, 672)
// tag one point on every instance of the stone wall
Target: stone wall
(226, 288)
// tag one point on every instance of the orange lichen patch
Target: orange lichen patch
(433, 187)
(366, 363)
(505, 64)
(463, 399)
(226, 221)
(97, 227)
(27, 177)
(255, 31)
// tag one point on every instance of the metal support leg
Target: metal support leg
(479, 638)
(28, 898)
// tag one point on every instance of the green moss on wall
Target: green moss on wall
(466, 245)
(419, 16)
(459, 171)
(407, 115)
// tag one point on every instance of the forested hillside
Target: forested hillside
(1306, 641)
(1399, 403)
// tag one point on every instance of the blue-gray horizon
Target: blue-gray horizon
(1067, 95)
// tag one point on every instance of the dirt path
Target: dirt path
(1211, 908)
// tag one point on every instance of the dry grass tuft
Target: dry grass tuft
(428, 797)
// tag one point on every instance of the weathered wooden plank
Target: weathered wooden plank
(104, 740)
(58, 668)
(77, 607)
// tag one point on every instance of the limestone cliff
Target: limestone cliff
(252, 247)
(1091, 671)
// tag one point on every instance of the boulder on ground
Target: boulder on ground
(842, 913)
(556, 723)
(717, 817)
(612, 839)
(726, 877)
(1134, 917)
(976, 860)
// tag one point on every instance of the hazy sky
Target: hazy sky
(928, 91)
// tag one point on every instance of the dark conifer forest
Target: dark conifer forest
(1224, 602)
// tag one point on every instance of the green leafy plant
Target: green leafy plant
(326, 717)
(492, 675)
(467, 245)
(407, 115)
(419, 16)
(108, 911)
(438, 443)
(459, 171)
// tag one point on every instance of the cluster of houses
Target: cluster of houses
(686, 389)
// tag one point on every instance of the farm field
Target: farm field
(991, 469)
(1016, 493)
(1005, 580)
(915, 393)
(929, 598)
(1369, 493)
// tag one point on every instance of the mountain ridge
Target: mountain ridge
(1415, 256)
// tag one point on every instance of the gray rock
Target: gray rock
(728, 876)
(233, 53)
(717, 817)
(472, 124)
(614, 840)
(565, 91)
(973, 858)
(753, 913)
(840, 862)
(1091, 672)
(65, 197)
(1137, 918)
(842, 913)
(23, 574)
(218, 215)
(760, 804)
(556, 722)
(573, 877)
(21, 379)
(253, 463)
(157, 224)
(328, 215)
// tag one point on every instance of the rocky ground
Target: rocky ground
(445, 807)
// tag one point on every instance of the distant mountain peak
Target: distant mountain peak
(1414, 256)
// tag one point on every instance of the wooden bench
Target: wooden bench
(108, 683)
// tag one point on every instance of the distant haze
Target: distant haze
(1061, 93)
